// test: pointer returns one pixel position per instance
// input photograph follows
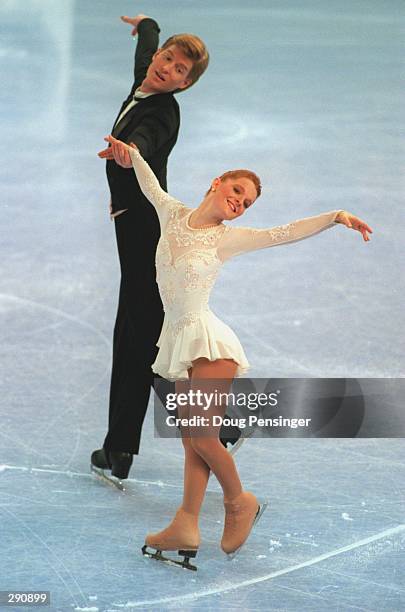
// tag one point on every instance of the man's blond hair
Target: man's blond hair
(193, 47)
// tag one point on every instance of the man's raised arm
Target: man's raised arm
(148, 41)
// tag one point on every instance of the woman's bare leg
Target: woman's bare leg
(196, 474)
(206, 444)
(204, 451)
(196, 470)
(241, 507)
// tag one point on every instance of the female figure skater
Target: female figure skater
(195, 345)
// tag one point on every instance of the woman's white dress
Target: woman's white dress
(188, 261)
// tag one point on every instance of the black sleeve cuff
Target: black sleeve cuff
(147, 23)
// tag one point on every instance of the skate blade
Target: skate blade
(262, 508)
(236, 446)
(185, 564)
(111, 480)
(241, 440)
(234, 449)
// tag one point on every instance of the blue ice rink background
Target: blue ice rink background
(306, 94)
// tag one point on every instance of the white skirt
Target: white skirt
(194, 335)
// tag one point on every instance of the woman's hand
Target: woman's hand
(354, 223)
(119, 151)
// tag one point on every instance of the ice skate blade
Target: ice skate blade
(234, 449)
(241, 440)
(184, 553)
(236, 446)
(262, 508)
(111, 480)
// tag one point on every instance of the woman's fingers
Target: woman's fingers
(119, 151)
(357, 224)
(367, 227)
(106, 154)
(362, 227)
(117, 146)
(110, 139)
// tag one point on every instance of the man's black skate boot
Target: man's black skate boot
(232, 435)
(118, 462)
(99, 458)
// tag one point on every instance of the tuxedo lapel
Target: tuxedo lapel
(120, 125)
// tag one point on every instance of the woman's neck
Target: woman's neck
(204, 216)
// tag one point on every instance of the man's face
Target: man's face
(167, 71)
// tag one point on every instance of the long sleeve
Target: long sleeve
(147, 44)
(240, 240)
(162, 201)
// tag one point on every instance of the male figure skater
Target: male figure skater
(149, 118)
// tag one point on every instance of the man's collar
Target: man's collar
(140, 95)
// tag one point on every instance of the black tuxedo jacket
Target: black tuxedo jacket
(152, 124)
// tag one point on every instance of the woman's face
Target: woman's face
(233, 196)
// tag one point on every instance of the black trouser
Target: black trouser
(137, 328)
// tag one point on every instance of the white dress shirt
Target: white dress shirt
(131, 104)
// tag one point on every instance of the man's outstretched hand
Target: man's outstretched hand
(118, 151)
(134, 21)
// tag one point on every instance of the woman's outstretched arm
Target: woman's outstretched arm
(243, 239)
(148, 182)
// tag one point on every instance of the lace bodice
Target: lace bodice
(188, 260)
